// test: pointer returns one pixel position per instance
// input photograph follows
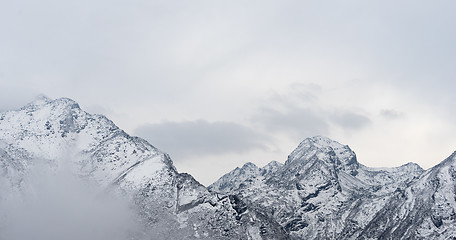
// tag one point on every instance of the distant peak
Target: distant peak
(411, 165)
(40, 100)
(323, 149)
(68, 101)
(42, 97)
(274, 163)
(249, 165)
(271, 166)
(321, 139)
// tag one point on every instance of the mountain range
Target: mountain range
(320, 192)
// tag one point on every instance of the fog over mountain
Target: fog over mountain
(55, 204)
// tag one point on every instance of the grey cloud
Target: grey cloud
(297, 121)
(303, 122)
(349, 120)
(190, 138)
(300, 112)
(305, 91)
(298, 99)
(391, 114)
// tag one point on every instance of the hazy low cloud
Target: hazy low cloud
(190, 138)
(14, 96)
(57, 205)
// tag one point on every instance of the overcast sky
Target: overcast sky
(219, 83)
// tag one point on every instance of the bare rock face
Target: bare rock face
(168, 204)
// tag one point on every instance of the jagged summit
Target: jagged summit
(326, 150)
(321, 141)
(40, 100)
(271, 167)
(249, 165)
(245, 175)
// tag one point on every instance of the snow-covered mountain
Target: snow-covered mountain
(323, 192)
(170, 205)
(320, 192)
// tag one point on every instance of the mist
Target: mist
(53, 203)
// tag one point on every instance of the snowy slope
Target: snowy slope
(424, 210)
(171, 205)
(244, 175)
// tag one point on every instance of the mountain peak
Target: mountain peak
(326, 150)
(67, 101)
(411, 165)
(249, 165)
(321, 142)
(40, 100)
(273, 163)
(271, 167)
